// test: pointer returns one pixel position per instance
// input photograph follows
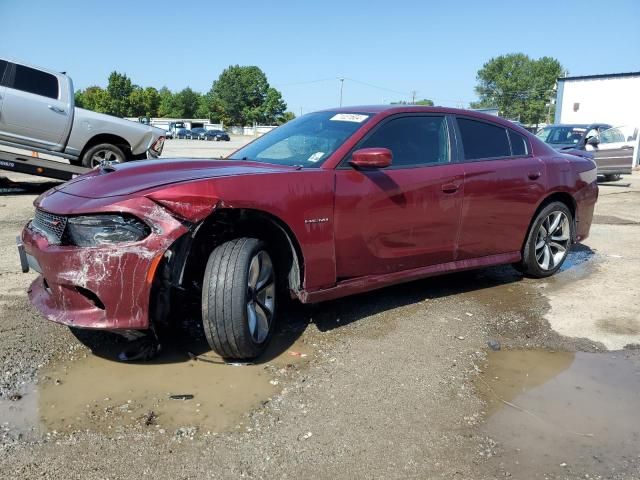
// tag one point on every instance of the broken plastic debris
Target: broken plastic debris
(468, 314)
(297, 354)
(143, 349)
(181, 396)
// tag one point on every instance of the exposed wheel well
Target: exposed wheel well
(108, 138)
(226, 224)
(178, 281)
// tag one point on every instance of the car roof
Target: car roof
(386, 110)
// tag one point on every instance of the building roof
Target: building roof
(602, 75)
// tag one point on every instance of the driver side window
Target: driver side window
(414, 140)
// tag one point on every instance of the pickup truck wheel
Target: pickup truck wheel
(239, 298)
(100, 153)
(612, 177)
(548, 241)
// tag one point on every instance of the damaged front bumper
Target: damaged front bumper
(99, 287)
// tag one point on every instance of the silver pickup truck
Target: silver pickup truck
(37, 112)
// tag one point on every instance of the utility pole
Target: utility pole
(413, 97)
(341, 85)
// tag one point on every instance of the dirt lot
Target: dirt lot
(400, 383)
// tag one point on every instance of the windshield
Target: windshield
(306, 141)
(561, 135)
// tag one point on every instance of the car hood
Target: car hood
(133, 177)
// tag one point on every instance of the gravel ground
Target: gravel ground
(388, 391)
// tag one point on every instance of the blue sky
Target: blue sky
(390, 48)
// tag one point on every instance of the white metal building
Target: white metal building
(609, 98)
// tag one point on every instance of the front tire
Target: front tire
(239, 298)
(548, 241)
(102, 152)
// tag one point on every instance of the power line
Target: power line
(304, 82)
(377, 86)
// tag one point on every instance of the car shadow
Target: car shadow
(185, 340)
(10, 187)
(617, 185)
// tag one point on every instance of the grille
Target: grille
(51, 226)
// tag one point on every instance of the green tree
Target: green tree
(151, 101)
(93, 98)
(187, 102)
(239, 94)
(273, 107)
(425, 102)
(135, 103)
(167, 106)
(520, 87)
(119, 90)
(285, 117)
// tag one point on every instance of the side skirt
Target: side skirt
(373, 282)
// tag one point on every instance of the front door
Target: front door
(404, 216)
(613, 154)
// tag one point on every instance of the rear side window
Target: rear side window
(3, 67)
(483, 140)
(34, 81)
(519, 146)
(414, 140)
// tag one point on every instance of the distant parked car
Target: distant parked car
(606, 145)
(215, 135)
(183, 133)
(198, 132)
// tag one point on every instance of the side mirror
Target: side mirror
(593, 141)
(371, 158)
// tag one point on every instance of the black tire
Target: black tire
(102, 150)
(532, 263)
(227, 299)
(612, 177)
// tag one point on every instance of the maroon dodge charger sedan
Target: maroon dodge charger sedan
(333, 203)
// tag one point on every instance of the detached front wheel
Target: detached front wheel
(239, 298)
(548, 241)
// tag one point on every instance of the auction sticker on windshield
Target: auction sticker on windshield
(349, 117)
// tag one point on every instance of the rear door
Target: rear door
(404, 216)
(32, 111)
(503, 185)
(613, 154)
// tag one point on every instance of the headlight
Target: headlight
(94, 230)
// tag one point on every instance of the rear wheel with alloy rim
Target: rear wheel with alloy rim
(548, 241)
(105, 152)
(239, 298)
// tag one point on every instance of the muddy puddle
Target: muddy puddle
(175, 392)
(563, 413)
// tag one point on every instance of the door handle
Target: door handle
(534, 175)
(450, 187)
(55, 109)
